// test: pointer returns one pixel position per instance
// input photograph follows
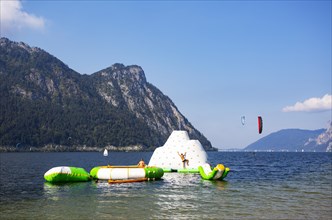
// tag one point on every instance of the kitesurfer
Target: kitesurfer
(260, 124)
(183, 158)
(141, 163)
(243, 120)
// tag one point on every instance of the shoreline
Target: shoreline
(79, 148)
(63, 148)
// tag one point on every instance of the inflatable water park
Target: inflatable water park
(179, 154)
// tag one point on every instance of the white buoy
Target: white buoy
(105, 153)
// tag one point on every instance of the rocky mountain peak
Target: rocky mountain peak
(6, 43)
(126, 87)
(121, 72)
(323, 141)
(37, 74)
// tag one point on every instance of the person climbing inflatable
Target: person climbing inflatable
(184, 160)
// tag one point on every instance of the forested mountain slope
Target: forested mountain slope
(45, 103)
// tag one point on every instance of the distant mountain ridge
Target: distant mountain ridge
(295, 140)
(45, 104)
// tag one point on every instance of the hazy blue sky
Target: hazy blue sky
(217, 60)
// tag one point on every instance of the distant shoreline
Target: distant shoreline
(126, 149)
(62, 148)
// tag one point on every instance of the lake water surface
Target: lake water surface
(259, 186)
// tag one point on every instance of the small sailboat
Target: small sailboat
(105, 153)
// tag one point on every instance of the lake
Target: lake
(259, 186)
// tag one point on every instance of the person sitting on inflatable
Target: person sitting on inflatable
(141, 163)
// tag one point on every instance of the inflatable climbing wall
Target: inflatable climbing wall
(167, 156)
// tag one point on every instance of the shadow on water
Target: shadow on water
(217, 184)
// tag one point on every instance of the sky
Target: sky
(217, 60)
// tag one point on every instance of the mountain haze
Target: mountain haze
(44, 104)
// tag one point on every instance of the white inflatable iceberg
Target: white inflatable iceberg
(179, 154)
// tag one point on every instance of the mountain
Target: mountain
(321, 143)
(45, 104)
(294, 140)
